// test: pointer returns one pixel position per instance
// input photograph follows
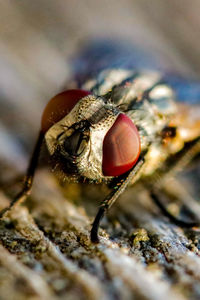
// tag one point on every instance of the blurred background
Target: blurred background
(39, 38)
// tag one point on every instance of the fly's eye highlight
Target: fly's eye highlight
(59, 106)
(121, 147)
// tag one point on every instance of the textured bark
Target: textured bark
(45, 248)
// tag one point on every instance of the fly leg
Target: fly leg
(184, 157)
(21, 197)
(119, 185)
(156, 198)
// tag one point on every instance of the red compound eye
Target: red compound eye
(59, 106)
(121, 147)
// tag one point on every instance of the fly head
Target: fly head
(76, 141)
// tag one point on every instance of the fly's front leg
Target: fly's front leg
(21, 197)
(119, 186)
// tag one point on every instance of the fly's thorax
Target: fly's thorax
(147, 115)
(142, 95)
(106, 80)
(77, 139)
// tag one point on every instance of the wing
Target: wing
(187, 90)
(102, 54)
(99, 55)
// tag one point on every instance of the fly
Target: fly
(118, 128)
